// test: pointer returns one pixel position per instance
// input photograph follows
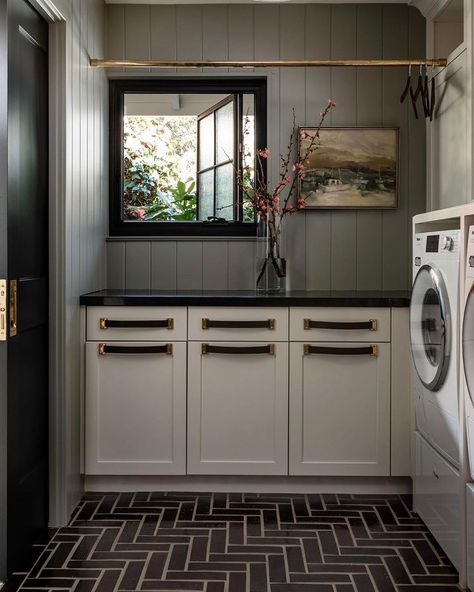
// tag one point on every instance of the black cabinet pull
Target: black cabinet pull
(105, 349)
(370, 325)
(136, 324)
(210, 324)
(370, 350)
(222, 349)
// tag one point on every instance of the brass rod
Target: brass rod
(436, 62)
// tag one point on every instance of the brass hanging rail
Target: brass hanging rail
(434, 62)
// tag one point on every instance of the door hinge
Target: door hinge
(3, 310)
(13, 308)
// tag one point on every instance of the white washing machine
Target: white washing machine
(468, 360)
(434, 319)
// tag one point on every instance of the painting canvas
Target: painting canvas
(352, 168)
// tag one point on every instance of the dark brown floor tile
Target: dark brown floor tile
(363, 583)
(277, 568)
(132, 575)
(237, 582)
(258, 577)
(156, 566)
(382, 579)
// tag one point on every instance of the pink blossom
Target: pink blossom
(287, 178)
(331, 103)
(139, 212)
(264, 153)
(301, 175)
(276, 202)
(301, 203)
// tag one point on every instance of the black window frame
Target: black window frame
(166, 85)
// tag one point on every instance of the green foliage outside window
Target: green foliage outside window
(159, 168)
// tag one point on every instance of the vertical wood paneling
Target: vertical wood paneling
(116, 266)
(416, 136)
(188, 34)
(292, 96)
(344, 91)
(395, 223)
(369, 113)
(163, 265)
(115, 31)
(214, 265)
(241, 33)
(215, 41)
(318, 91)
(137, 35)
(326, 250)
(241, 263)
(78, 191)
(137, 265)
(267, 47)
(189, 265)
(163, 34)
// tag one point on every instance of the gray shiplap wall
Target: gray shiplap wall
(339, 250)
(78, 179)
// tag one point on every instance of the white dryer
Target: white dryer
(468, 361)
(434, 318)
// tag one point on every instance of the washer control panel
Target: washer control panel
(436, 242)
(470, 253)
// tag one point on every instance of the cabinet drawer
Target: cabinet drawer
(136, 323)
(238, 324)
(135, 408)
(437, 498)
(340, 409)
(238, 408)
(339, 324)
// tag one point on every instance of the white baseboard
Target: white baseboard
(218, 484)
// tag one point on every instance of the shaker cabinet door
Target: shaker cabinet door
(238, 408)
(135, 408)
(340, 409)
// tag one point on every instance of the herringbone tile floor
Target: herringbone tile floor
(242, 543)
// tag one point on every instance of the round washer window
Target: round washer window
(430, 327)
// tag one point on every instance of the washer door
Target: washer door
(430, 327)
(468, 343)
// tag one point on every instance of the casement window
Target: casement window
(177, 145)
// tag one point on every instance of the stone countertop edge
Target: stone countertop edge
(388, 299)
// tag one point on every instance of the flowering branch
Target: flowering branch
(270, 202)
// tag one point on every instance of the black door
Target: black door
(27, 353)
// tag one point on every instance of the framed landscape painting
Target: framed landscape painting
(353, 168)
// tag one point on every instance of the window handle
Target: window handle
(215, 220)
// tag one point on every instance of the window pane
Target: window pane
(248, 154)
(224, 191)
(206, 142)
(206, 195)
(225, 133)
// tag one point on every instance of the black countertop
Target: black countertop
(244, 298)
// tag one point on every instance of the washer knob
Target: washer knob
(448, 243)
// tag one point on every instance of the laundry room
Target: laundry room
(236, 296)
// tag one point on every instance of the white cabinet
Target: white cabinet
(339, 324)
(339, 409)
(135, 408)
(436, 498)
(243, 323)
(238, 408)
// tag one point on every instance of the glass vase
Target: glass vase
(270, 260)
